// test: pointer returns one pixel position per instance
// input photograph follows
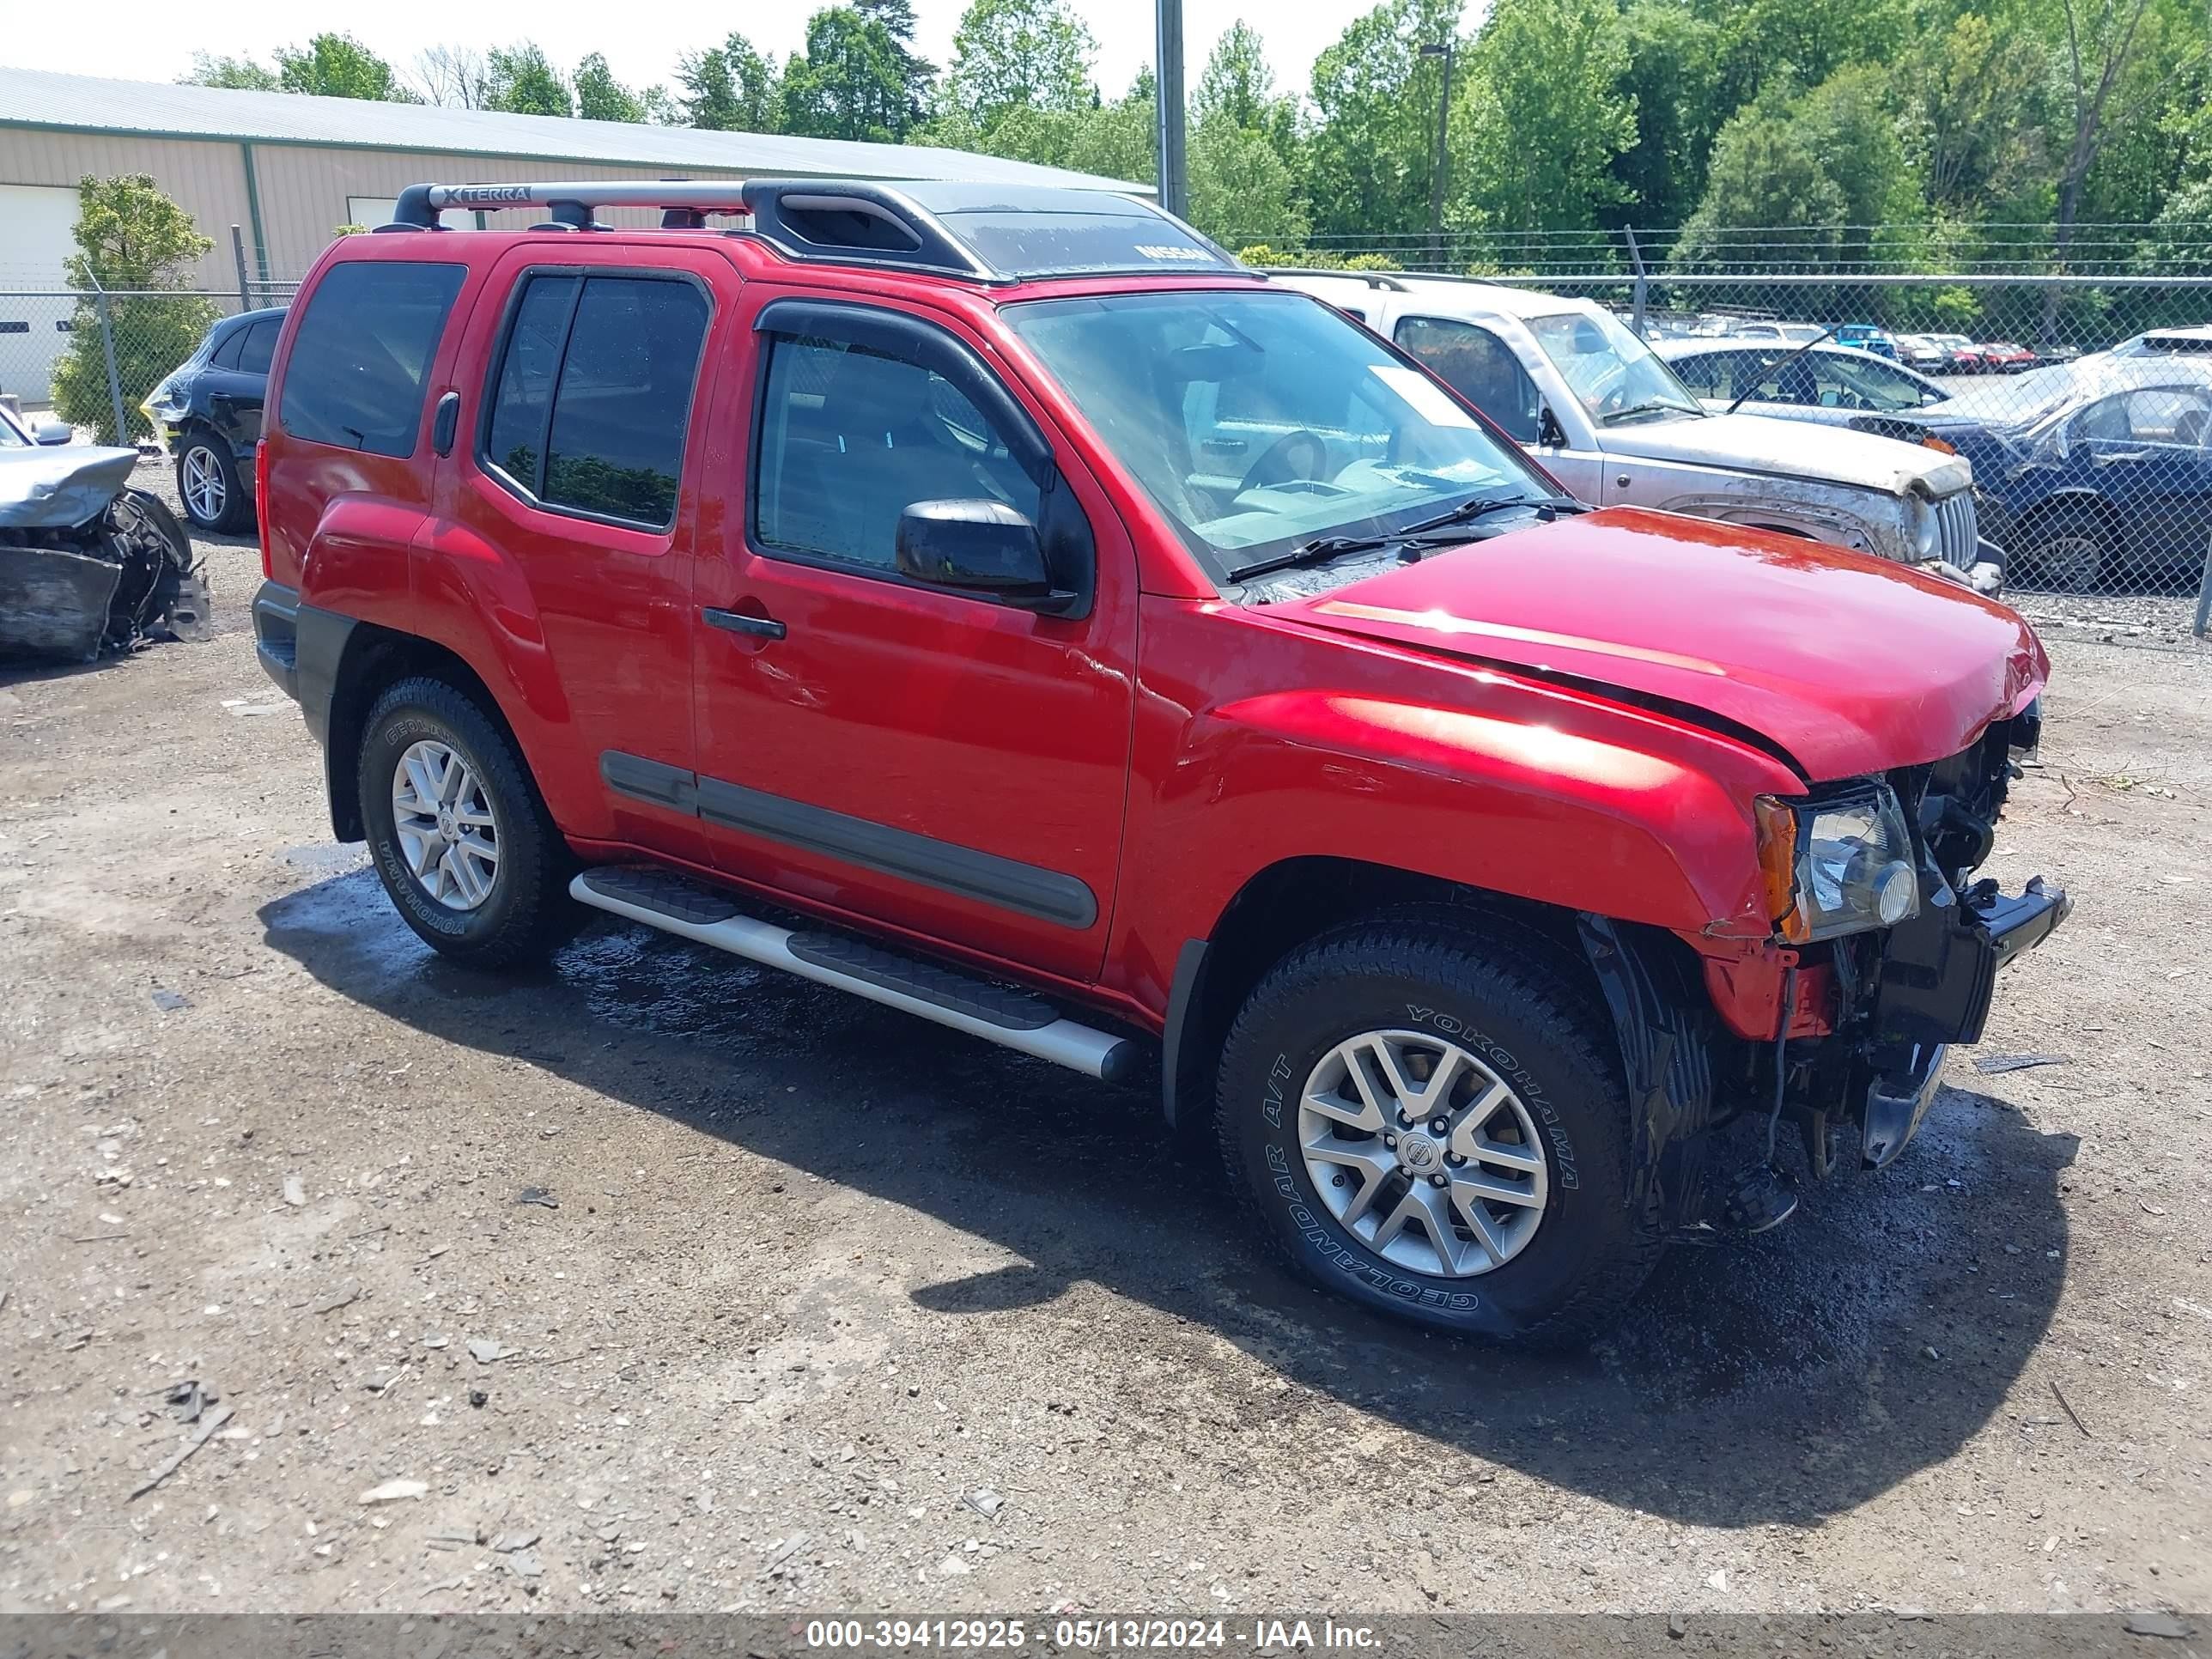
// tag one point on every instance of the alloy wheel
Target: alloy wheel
(202, 484)
(1423, 1152)
(448, 833)
(2070, 564)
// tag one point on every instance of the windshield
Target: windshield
(1613, 375)
(10, 437)
(1260, 421)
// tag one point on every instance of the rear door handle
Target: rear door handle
(737, 621)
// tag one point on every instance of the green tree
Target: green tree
(1372, 152)
(238, 74)
(132, 241)
(850, 81)
(2115, 57)
(1112, 139)
(522, 81)
(1674, 79)
(1977, 112)
(600, 97)
(731, 87)
(1852, 121)
(1244, 151)
(334, 65)
(1034, 54)
(1766, 174)
(917, 74)
(1241, 187)
(1238, 86)
(1544, 114)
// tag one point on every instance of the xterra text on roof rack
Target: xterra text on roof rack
(1104, 651)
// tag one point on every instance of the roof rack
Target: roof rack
(1372, 278)
(982, 233)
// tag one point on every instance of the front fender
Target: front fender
(1520, 802)
(1464, 775)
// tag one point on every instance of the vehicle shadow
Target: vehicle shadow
(1781, 1379)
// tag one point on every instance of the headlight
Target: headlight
(1927, 536)
(1838, 866)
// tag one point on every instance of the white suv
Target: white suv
(1608, 418)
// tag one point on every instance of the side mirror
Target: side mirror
(54, 432)
(1550, 434)
(982, 547)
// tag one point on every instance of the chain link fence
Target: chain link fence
(90, 356)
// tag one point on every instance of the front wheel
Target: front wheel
(457, 830)
(1432, 1126)
(2069, 551)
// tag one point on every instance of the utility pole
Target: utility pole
(1174, 194)
(1443, 154)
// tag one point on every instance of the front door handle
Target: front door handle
(738, 622)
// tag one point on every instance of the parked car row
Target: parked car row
(2091, 474)
(1606, 415)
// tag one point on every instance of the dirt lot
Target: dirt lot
(669, 1284)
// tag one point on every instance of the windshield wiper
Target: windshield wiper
(1649, 406)
(1769, 371)
(1330, 547)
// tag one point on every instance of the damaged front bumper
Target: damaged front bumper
(1938, 978)
(1868, 1077)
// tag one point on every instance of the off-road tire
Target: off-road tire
(237, 513)
(1517, 1008)
(528, 911)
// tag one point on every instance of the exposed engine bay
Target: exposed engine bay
(89, 566)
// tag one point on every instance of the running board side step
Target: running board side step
(1012, 1019)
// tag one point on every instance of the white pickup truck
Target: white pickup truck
(1606, 416)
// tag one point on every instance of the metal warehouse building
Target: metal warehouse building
(290, 170)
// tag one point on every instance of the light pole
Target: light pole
(1174, 194)
(1443, 153)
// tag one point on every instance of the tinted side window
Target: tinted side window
(1479, 366)
(515, 442)
(593, 395)
(226, 355)
(358, 357)
(259, 345)
(850, 439)
(1706, 375)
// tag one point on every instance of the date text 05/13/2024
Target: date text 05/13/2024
(1109, 1634)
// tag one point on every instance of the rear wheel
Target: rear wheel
(1431, 1126)
(208, 485)
(459, 834)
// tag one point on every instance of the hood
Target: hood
(1848, 665)
(1791, 449)
(60, 487)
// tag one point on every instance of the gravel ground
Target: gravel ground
(654, 1282)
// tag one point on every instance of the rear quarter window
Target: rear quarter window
(359, 358)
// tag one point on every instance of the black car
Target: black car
(209, 410)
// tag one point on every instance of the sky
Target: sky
(642, 39)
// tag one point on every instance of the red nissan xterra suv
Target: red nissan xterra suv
(1000, 604)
